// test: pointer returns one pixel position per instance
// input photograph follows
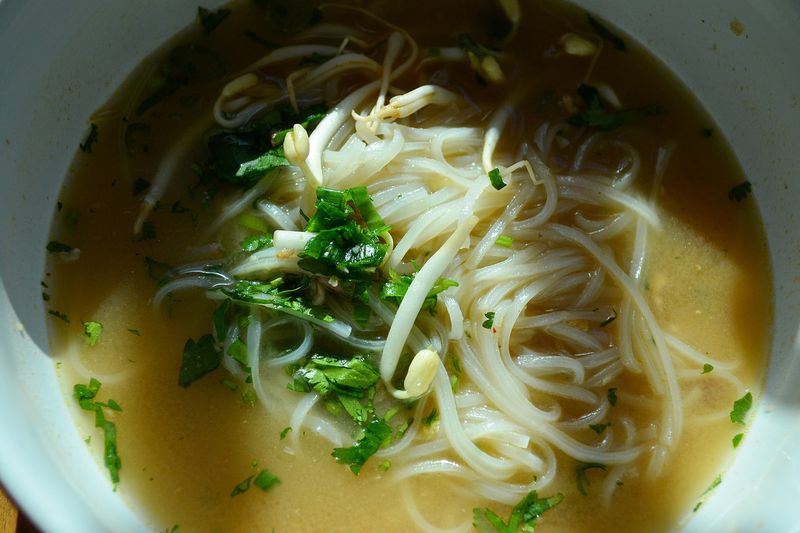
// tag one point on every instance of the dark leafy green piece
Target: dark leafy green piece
(489, 322)
(466, 43)
(59, 315)
(242, 487)
(740, 191)
(523, 517)
(266, 480)
(596, 116)
(271, 296)
(256, 242)
(599, 428)
(740, 408)
(91, 139)
(85, 395)
(496, 178)
(707, 368)
(251, 171)
(580, 475)
(612, 396)
(325, 375)
(395, 289)
(55, 247)
(199, 358)
(376, 434)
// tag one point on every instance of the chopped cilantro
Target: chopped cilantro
(489, 322)
(707, 368)
(505, 241)
(209, 20)
(714, 484)
(523, 517)
(326, 375)
(385, 465)
(696, 507)
(740, 408)
(375, 435)
(238, 351)
(273, 297)
(218, 318)
(85, 395)
(228, 384)
(91, 138)
(251, 171)
(599, 428)
(45, 297)
(496, 178)
(431, 417)
(596, 116)
(580, 475)
(55, 247)
(92, 332)
(134, 332)
(612, 396)
(265, 480)
(737, 439)
(740, 192)
(397, 286)
(249, 396)
(256, 243)
(285, 432)
(606, 34)
(242, 487)
(59, 315)
(199, 358)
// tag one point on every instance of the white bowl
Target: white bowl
(60, 60)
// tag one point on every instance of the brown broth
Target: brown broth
(183, 451)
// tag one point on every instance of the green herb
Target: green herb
(599, 428)
(45, 297)
(707, 368)
(251, 171)
(59, 315)
(696, 507)
(174, 529)
(523, 517)
(242, 487)
(55, 247)
(265, 480)
(489, 322)
(91, 138)
(256, 243)
(134, 332)
(85, 395)
(249, 221)
(385, 465)
(218, 318)
(431, 417)
(605, 33)
(238, 351)
(740, 192)
(288, 16)
(249, 396)
(91, 332)
(285, 432)
(273, 297)
(199, 358)
(326, 375)
(598, 117)
(740, 408)
(496, 178)
(266, 43)
(179, 209)
(209, 20)
(505, 241)
(148, 232)
(311, 119)
(612, 396)
(395, 289)
(580, 475)
(228, 384)
(375, 435)
(737, 439)
(610, 319)
(714, 484)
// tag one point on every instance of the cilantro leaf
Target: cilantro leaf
(256, 243)
(599, 428)
(505, 241)
(612, 396)
(327, 375)
(272, 297)
(209, 20)
(91, 332)
(596, 116)
(737, 439)
(496, 178)
(740, 192)
(707, 368)
(740, 408)
(242, 487)
(85, 395)
(523, 517)
(397, 286)
(199, 358)
(59, 315)
(265, 480)
(285, 432)
(489, 322)
(55, 247)
(431, 417)
(580, 475)
(606, 34)
(251, 171)
(91, 138)
(375, 435)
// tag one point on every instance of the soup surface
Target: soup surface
(184, 450)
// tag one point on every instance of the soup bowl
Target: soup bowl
(59, 61)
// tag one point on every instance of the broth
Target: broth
(183, 450)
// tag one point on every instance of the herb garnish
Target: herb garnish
(740, 192)
(612, 396)
(91, 332)
(85, 395)
(285, 431)
(59, 315)
(496, 178)
(596, 116)
(505, 241)
(523, 517)
(599, 428)
(55, 247)
(489, 322)
(431, 417)
(397, 286)
(740, 408)
(580, 475)
(737, 439)
(707, 368)
(199, 358)
(256, 243)
(375, 435)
